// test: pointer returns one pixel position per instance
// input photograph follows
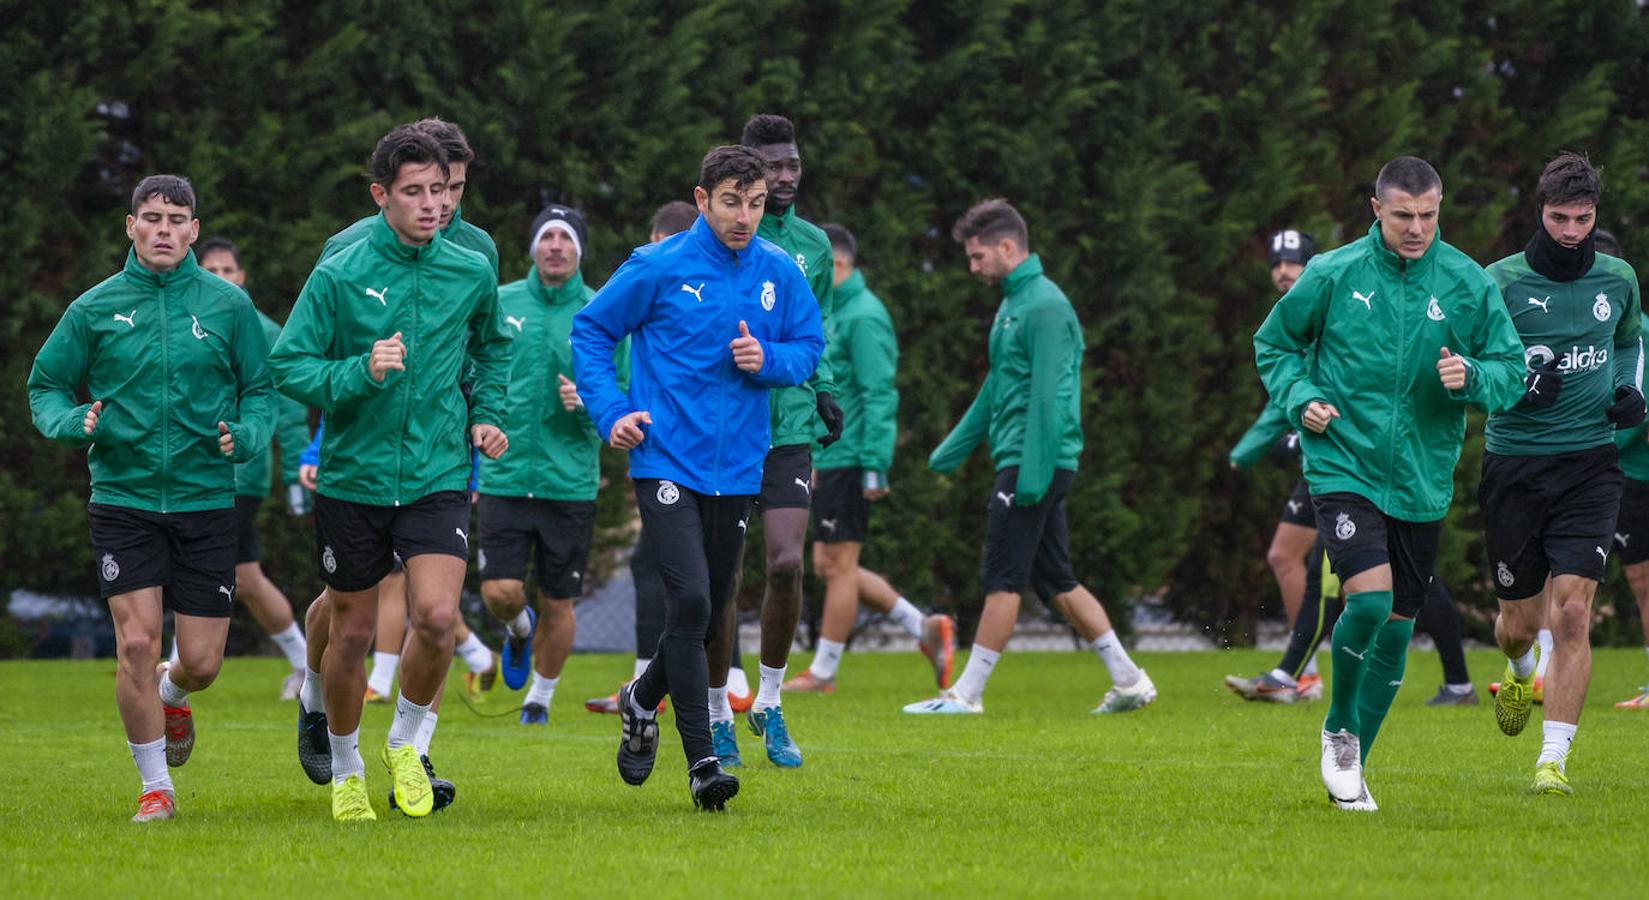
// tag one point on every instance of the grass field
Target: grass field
(1199, 794)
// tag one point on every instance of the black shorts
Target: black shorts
(1028, 546)
(191, 556)
(356, 543)
(557, 534)
(1359, 537)
(1549, 515)
(1298, 511)
(1632, 525)
(248, 549)
(787, 478)
(840, 511)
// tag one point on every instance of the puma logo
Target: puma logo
(743, 524)
(379, 295)
(516, 322)
(1363, 299)
(463, 537)
(226, 592)
(1601, 552)
(1540, 303)
(1622, 539)
(828, 525)
(1007, 499)
(806, 488)
(127, 319)
(1353, 652)
(1294, 506)
(697, 292)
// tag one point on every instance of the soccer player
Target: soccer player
(1373, 354)
(539, 500)
(172, 358)
(378, 340)
(1029, 410)
(852, 473)
(252, 479)
(718, 316)
(800, 414)
(1552, 483)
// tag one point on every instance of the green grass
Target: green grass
(1200, 794)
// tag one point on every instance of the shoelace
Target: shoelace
(774, 725)
(177, 726)
(152, 802)
(1345, 752)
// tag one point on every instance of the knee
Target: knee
(691, 616)
(200, 666)
(823, 563)
(1281, 561)
(139, 651)
(503, 598)
(784, 564)
(351, 632)
(436, 624)
(1571, 619)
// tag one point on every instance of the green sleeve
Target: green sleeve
(489, 355)
(59, 369)
(621, 363)
(1494, 356)
(292, 433)
(299, 362)
(874, 352)
(958, 445)
(1629, 340)
(821, 278)
(1626, 437)
(1260, 437)
(1052, 346)
(1282, 344)
(249, 358)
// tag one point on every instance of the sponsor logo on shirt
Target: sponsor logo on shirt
(1575, 359)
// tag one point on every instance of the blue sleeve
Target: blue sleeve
(312, 453)
(791, 358)
(475, 469)
(611, 315)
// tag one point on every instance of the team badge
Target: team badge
(1344, 528)
(111, 569)
(1600, 309)
(668, 493)
(1503, 574)
(769, 297)
(328, 561)
(1434, 311)
(196, 330)
(801, 263)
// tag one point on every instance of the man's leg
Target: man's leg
(1440, 618)
(551, 644)
(1571, 670)
(1637, 575)
(274, 613)
(137, 620)
(838, 564)
(784, 532)
(1290, 546)
(390, 634)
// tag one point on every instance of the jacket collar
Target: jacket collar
(851, 286)
(1030, 269)
(571, 289)
(707, 243)
(778, 223)
(1397, 265)
(386, 242)
(136, 271)
(454, 226)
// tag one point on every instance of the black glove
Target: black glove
(1627, 410)
(1543, 384)
(1286, 450)
(832, 416)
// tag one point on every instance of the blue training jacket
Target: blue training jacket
(680, 302)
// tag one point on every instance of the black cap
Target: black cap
(560, 213)
(1290, 245)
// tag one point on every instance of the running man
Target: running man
(1029, 410)
(1373, 355)
(1552, 483)
(172, 358)
(378, 340)
(851, 474)
(718, 316)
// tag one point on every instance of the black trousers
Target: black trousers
(650, 602)
(695, 541)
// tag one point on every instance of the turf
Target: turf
(1200, 794)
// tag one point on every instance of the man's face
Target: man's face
(733, 214)
(841, 266)
(784, 173)
(991, 261)
(1569, 223)
(1408, 224)
(555, 257)
(222, 264)
(412, 205)
(161, 233)
(1285, 273)
(457, 172)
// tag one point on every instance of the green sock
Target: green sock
(1354, 634)
(1382, 677)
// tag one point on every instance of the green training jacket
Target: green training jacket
(1591, 327)
(795, 409)
(1260, 437)
(554, 454)
(170, 355)
(254, 477)
(401, 439)
(864, 355)
(1633, 443)
(457, 231)
(1030, 405)
(1378, 323)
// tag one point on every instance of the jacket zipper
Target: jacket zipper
(165, 407)
(406, 393)
(1397, 379)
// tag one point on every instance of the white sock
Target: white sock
(1111, 652)
(346, 755)
(1555, 738)
(174, 658)
(383, 672)
(738, 683)
(426, 733)
(1460, 688)
(767, 695)
(971, 686)
(475, 654)
(1544, 637)
(641, 666)
(908, 616)
(293, 645)
(1284, 677)
(151, 764)
(1311, 666)
(827, 659)
(638, 711)
(311, 695)
(542, 690)
(170, 693)
(720, 709)
(1523, 666)
(404, 727)
(520, 626)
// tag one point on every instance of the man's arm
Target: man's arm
(611, 315)
(1052, 345)
(821, 281)
(1494, 356)
(1284, 339)
(59, 368)
(248, 358)
(1260, 437)
(489, 361)
(299, 363)
(1629, 341)
(974, 425)
(793, 356)
(875, 354)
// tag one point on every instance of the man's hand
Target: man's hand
(1317, 415)
(308, 476)
(570, 401)
(386, 355)
(489, 440)
(874, 494)
(1542, 385)
(226, 441)
(1451, 370)
(627, 430)
(1627, 411)
(747, 351)
(831, 413)
(92, 415)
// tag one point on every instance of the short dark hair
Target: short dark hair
(450, 137)
(741, 164)
(174, 189)
(766, 128)
(1605, 242)
(991, 220)
(841, 239)
(216, 244)
(1569, 178)
(1409, 174)
(674, 217)
(405, 144)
